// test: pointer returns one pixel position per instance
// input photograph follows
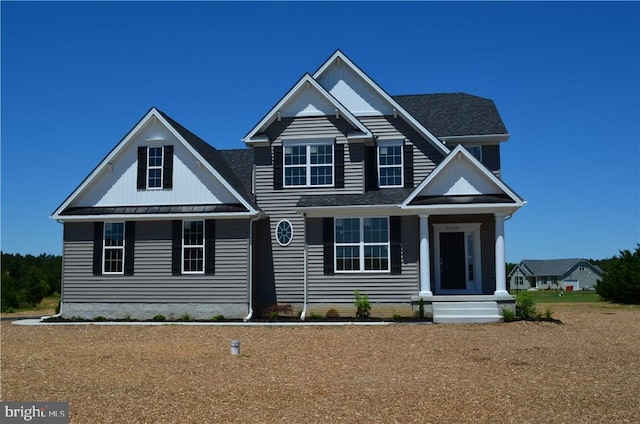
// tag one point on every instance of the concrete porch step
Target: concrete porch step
(466, 312)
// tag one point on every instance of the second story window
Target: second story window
(476, 152)
(154, 168)
(308, 165)
(390, 164)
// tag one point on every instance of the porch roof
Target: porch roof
(461, 199)
(383, 197)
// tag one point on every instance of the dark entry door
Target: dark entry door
(452, 257)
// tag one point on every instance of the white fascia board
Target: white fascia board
(480, 139)
(461, 150)
(401, 111)
(208, 166)
(113, 153)
(306, 78)
(153, 217)
(471, 208)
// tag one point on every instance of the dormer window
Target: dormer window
(390, 164)
(308, 164)
(476, 152)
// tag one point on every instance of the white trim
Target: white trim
(361, 244)
(469, 229)
(390, 143)
(338, 55)
(276, 232)
(460, 150)
(153, 217)
(306, 81)
(105, 247)
(194, 246)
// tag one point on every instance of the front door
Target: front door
(457, 259)
(452, 259)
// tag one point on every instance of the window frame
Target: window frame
(472, 147)
(155, 167)
(361, 244)
(387, 144)
(201, 246)
(308, 165)
(106, 248)
(277, 232)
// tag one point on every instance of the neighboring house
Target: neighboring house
(554, 274)
(343, 187)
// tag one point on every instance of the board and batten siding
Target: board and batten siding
(153, 280)
(381, 287)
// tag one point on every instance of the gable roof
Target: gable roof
(340, 57)
(309, 81)
(535, 267)
(472, 198)
(454, 114)
(205, 153)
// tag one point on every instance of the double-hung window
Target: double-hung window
(476, 151)
(193, 247)
(113, 248)
(308, 164)
(390, 163)
(362, 244)
(155, 159)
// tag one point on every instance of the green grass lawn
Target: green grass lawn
(553, 296)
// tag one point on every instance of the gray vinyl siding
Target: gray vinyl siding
(380, 287)
(152, 280)
(487, 246)
(425, 155)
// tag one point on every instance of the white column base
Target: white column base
(425, 294)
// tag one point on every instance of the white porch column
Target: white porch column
(501, 272)
(425, 267)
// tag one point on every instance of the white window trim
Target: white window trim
(466, 228)
(308, 166)
(361, 245)
(184, 246)
(105, 248)
(276, 232)
(391, 143)
(160, 167)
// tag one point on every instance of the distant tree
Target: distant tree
(621, 283)
(26, 280)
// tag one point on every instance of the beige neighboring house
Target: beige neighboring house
(555, 274)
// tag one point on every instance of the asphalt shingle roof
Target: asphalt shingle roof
(553, 266)
(454, 114)
(389, 196)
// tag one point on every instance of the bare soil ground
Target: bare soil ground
(586, 370)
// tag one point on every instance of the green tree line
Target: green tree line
(28, 279)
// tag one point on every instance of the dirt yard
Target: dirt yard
(586, 370)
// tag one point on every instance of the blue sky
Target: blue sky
(76, 77)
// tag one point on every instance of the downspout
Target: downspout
(250, 268)
(304, 272)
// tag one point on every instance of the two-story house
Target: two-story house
(342, 187)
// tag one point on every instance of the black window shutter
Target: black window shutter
(210, 246)
(407, 150)
(395, 237)
(327, 240)
(142, 168)
(339, 165)
(371, 168)
(167, 169)
(98, 234)
(277, 167)
(129, 246)
(176, 247)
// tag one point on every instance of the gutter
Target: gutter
(250, 260)
(304, 272)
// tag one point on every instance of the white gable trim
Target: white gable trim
(339, 56)
(460, 150)
(153, 113)
(272, 115)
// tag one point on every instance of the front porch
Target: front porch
(464, 308)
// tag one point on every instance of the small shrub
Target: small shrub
(525, 305)
(218, 317)
(362, 304)
(396, 317)
(185, 317)
(315, 316)
(548, 313)
(159, 317)
(274, 312)
(508, 315)
(100, 318)
(421, 308)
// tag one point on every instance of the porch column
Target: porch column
(501, 272)
(425, 267)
